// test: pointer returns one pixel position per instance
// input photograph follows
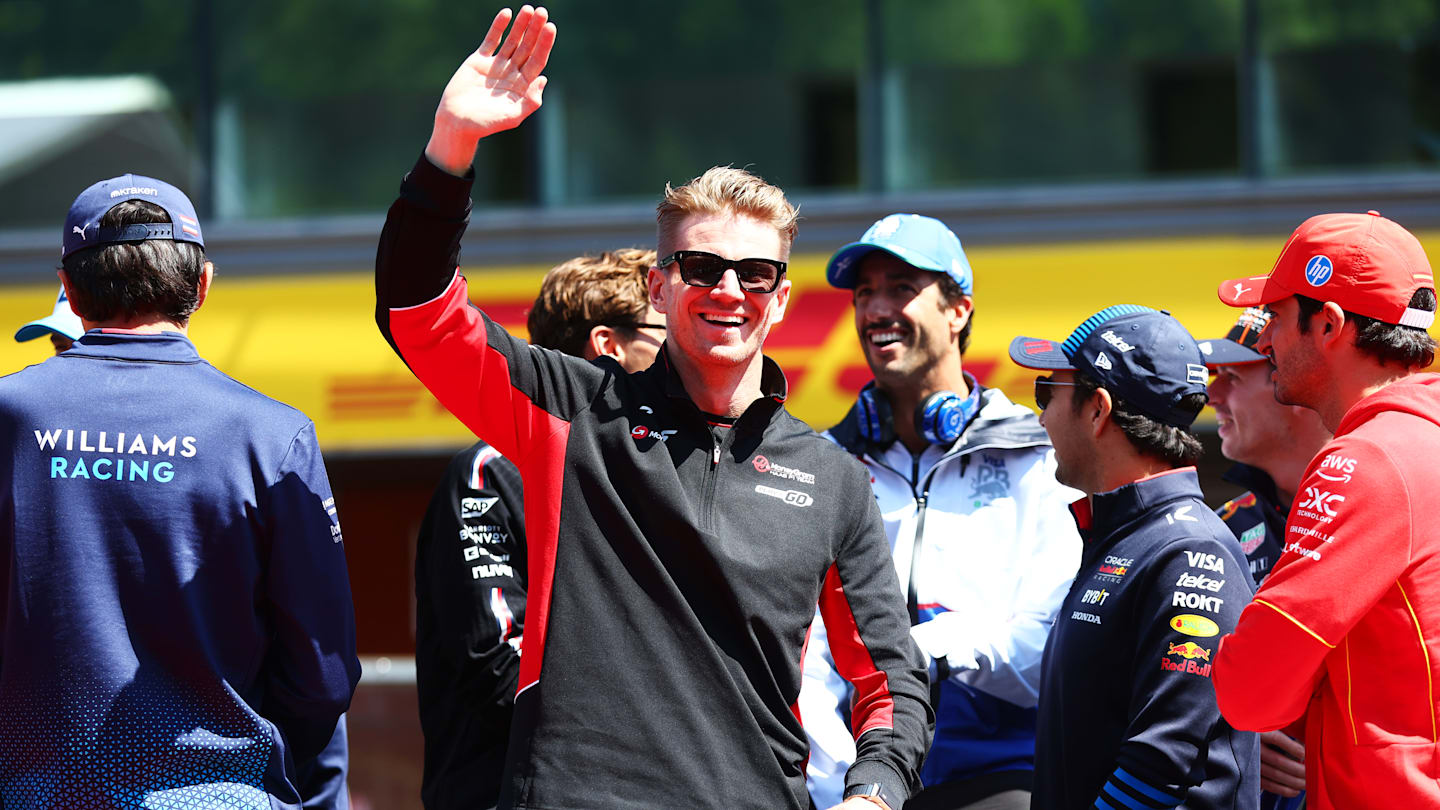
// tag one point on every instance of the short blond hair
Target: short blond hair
(726, 190)
(589, 291)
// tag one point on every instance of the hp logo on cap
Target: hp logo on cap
(1319, 270)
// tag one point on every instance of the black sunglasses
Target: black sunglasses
(1044, 390)
(701, 269)
(637, 325)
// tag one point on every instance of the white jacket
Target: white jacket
(985, 546)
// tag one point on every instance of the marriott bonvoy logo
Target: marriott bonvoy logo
(764, 465)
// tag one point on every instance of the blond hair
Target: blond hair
(726, 190)
(589, 291)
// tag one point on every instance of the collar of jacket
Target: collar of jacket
(1000, 425)
(1258, 482)
(118, 344)
(773, 386)
(1105, 514)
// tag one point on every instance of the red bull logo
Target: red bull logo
(1189, 650)
(1192, 653)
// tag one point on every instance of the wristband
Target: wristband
(874, 793)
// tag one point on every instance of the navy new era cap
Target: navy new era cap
(1238, 345)
(1141, 355)
(82, 224)
(919, 241)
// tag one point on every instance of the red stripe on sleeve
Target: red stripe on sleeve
(874, 704)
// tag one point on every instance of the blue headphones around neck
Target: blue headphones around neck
(940, 418)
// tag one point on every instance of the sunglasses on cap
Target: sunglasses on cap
(701, 269)
(1044, 390)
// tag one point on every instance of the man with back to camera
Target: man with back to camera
(1271, 445)
(978, 526)
(61, 326)
(176, 613)
(682, 526)
(470, 594)
(1342, 632)
(1127, 712)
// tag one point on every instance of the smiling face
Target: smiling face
(720, 327)
(1299, 376)
(907, 330)
(1253, 427)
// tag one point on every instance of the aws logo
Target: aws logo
(1336, 468)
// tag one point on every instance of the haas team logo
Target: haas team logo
(762, 464)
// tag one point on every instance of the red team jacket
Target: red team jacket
(1346, 628)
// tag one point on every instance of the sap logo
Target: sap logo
(1183, 513)
(642, 432)
(475, 507)
(1115, 340)
(1208, 562)
(1336, 468)
(1199, 582)
(1195, 601)
(794, 497)
(1095, 597)
(1101, 361)
(1320, 500)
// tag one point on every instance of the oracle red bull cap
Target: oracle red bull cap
(82, 224)
(1238, 345)
(1141, 355)
(1367, 264)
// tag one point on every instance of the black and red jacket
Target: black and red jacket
(675, 566)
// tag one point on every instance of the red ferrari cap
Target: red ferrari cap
(1367, 264)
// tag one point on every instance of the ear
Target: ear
(207, 275)
(960, 315)
(782, 300)
(1332, 324)
(603, 342)
(1099, 409)
(655, 279)
(65, 282)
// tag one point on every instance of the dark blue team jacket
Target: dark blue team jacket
(1127, 714)
(177, 625)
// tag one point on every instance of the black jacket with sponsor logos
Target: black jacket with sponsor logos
(1127, 710)
(1257, 518)
(674, 570)
(469, 618)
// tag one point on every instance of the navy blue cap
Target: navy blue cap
(1238, 345)
(1141, 355)
(62, 321)
(82, 224)
(920, 241)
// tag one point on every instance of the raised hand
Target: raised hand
(496, 88)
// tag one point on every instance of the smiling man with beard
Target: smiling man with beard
(978, 526)
(682, 525)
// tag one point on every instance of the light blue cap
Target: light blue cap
(920, 241)
(62, 321)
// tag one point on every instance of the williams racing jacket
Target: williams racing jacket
(985, 548)
(1346, 629)
(675, 565)
(469, 619)
(175, 606)
(1256, 518)
(1127, 712)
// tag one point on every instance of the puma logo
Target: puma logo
(81, 231)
